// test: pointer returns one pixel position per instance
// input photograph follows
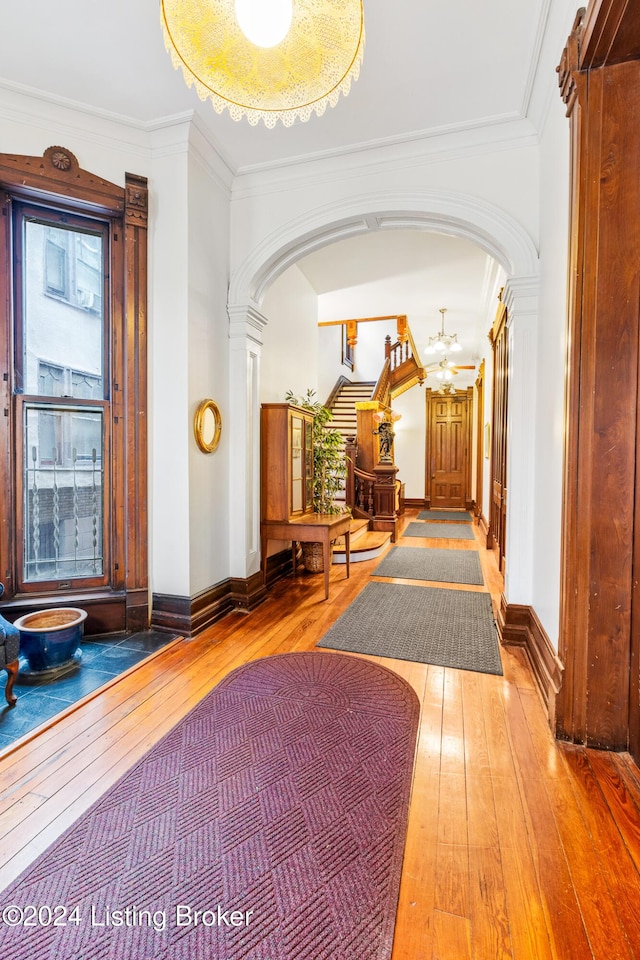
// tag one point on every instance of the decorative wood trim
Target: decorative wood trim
(499, 338)
(248, 594)
(600, 559)
(135, 304)
(415, 503)
(57, 179)
(610, 33)
(338, 323)
(58, 174)
(479, 439)
(519, 625)
(189, 616)
(469, 502)
(568, 67)
(106, 611)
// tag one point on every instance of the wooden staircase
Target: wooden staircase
(364, 544)
(343, 406)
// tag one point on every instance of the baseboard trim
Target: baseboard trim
(189, 616)
(415, 503)
(519, 625)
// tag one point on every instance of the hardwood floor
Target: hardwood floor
(518, 846)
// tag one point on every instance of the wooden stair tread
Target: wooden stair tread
(370, 540)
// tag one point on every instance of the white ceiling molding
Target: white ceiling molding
(453, 214)
(445, 146)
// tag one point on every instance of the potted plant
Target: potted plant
(329, 469)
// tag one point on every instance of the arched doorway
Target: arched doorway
(454, 214)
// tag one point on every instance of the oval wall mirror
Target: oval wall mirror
(207, 426)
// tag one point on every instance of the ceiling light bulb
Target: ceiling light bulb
(455, 346)
(264, 22)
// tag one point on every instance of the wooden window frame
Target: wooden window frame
(56, 181)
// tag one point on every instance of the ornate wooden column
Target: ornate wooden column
(497, 533)
(135, 331)
(600, 81)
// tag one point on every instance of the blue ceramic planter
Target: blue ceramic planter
(50, 641)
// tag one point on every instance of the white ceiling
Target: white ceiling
(429, 66)
(415, 273)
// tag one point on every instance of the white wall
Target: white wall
(187, 323)
(168, 386)
(410, 441)
(207, 374)
(330, 366)
(289, 358)
(504, 175)
(549, 414)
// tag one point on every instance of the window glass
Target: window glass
(63, 480)
(63, 282)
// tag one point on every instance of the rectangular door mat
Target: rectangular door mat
(448, 628)
(420, 563)
(454, 531)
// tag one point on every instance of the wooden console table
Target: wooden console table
(312, 528)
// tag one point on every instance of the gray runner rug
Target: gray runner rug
(461, 515)
(420, 563)
(447, 628)
(454, 531)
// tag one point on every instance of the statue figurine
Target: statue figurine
(386, 435)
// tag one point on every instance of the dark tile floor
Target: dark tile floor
(103, 658)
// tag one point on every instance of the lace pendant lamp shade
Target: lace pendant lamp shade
(316, 60)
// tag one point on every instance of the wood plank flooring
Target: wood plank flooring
(517, 847)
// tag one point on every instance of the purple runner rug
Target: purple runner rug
(269, 824)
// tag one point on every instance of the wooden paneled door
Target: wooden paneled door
(448, 462)
(497, 534)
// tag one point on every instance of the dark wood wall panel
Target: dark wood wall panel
(497, 533)
(600, 532)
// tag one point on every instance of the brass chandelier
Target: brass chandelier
(443, 342)
(266, 60)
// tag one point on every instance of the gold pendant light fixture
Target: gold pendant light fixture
(266, 60)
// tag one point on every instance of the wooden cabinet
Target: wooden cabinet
(286, 462)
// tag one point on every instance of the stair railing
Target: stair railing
(372, 495)
(405, 368)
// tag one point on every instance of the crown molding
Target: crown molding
(164, 136)
(508, 133)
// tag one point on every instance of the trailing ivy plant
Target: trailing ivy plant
(329, 467)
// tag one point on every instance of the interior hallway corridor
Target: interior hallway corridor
(517, 847)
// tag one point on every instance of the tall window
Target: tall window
(61, 327)
(73, 437)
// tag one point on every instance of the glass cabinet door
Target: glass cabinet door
(297, 480)
(308, 465)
